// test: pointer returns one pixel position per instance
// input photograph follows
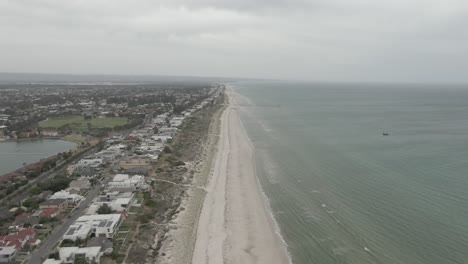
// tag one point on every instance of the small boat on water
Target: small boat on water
(385, 134)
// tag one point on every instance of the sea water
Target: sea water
(341, 191)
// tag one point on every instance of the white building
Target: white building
(7, 254)
(78, 230)
(103, 225)
(90, 161)
(72, 199)
(89, 254)
(124, 182)
(52, 261)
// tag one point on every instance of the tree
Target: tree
(104, 209)
(36, 190)
(167, 149)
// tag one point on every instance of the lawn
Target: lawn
(79, 123)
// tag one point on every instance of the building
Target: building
(78, 230)
(123, 182)
(7, 254)
(69, 255)
(60, 204)
(49, 212)
(73, 199)
(21, 238)
(104, 225)
(52, 261)
(79, 185)
(26, 219)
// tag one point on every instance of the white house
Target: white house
(124, 182)
(7, 254)
(89, 254)
(78, 230)
(73, 199)
(104, 225)
(90, 161)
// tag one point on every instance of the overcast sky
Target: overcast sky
(359, 40)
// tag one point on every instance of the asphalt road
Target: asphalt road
(39, 255)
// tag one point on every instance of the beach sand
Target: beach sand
(235, 225)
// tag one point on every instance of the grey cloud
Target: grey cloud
(375, 40)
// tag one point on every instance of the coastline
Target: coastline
(179, 242)
(236, 223)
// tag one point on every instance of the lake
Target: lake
(14, 154)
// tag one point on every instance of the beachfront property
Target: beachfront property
(124, 182)
(103, 225)
(70, 255)
(78, 230)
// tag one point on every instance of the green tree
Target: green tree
(104, 209)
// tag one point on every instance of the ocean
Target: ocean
(341, 191)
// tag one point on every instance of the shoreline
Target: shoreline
(236, 222)
(180, 240)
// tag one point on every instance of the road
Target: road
(49, 243)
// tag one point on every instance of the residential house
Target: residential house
(104, 225)
(7, 254)
(73, 199)
(69, 255)
(60, 204)
(123, 182)
(19, 239)
(79, 185)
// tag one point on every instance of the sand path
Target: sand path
(235, 225)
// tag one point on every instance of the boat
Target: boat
(385, 134)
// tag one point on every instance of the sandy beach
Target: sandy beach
(235, 225)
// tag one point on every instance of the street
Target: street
(40, 254)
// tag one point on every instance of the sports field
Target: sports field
(79, 123)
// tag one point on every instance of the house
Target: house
(49, 133)
(104, 243)
(73, 199)
(52, 261)
(104, 225)
(28, 219)
(78, 230)
(49, 212)
(60, 204)
(69, 255)
(80, 184)
(137, 171)
(122, 182)
(7, 254)
(21, 238)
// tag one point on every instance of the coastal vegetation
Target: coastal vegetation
(171, 177)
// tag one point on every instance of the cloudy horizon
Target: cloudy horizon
(321, 40)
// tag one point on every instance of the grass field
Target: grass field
(79, 123)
